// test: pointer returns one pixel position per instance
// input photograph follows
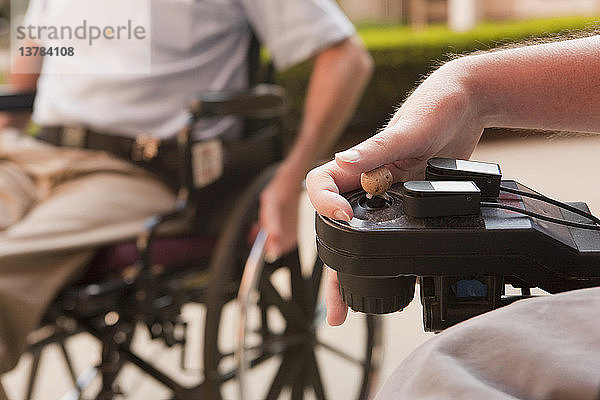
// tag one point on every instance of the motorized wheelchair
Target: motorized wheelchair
(196, 255)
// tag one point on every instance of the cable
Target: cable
(557, 203)
(540, 216)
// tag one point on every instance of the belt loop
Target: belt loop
(73, 136)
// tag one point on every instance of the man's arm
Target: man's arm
(23, 82)
(554, 86)
(547, 86)
(339, 76)
(18, 82)
(337, 81)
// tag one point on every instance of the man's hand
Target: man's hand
(438, 119)
(339, 75)
(278, 214)
(547, 86)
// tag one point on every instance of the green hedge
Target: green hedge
(404, 56)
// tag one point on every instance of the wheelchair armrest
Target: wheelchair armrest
(16, 101)
(262, 101)
(181, 211)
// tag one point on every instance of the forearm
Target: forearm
(338, 79)
(22, 82)
(548, 86)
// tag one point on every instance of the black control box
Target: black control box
(462, 262)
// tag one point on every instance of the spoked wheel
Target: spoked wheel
(287, 349)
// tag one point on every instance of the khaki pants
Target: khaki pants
(56, 206)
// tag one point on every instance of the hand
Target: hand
(278, 214)
(438, 119)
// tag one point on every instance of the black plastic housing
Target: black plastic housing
(378, 296)
(423, 199)
(495, 247)
(485, 175)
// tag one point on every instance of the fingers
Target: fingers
(278, 216)
(401, 146)
(336, 308)
(392, 144)
(324, 185)
(270, 221)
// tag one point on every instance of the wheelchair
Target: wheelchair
(142, 288)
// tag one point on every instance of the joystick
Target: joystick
(376, 182)
(462, 241)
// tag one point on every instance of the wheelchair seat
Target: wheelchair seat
(167, 252)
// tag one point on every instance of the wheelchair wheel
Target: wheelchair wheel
(290, 350)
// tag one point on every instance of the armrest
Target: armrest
(13, 101)
(262, 101)
(181, 211)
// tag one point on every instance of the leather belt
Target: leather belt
(159, 156)
(241, 160)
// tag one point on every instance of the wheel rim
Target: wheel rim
(290, 339)
(290, 348)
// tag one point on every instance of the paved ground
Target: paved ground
(564, 168)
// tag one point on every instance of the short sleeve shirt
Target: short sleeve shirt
(196, 45)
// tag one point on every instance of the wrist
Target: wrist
(485, 100)
(294, 167)
(469, 98)
(289, 175)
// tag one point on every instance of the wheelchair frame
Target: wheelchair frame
(110, 310)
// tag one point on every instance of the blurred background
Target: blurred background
(408, 39)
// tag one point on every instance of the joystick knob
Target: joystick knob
(377, 181)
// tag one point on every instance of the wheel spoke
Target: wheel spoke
(260, 359)
(266, 350)
(228, 375)
(315, 376)
(299, 384)
(315, 283)
(297, 282)
(290, 311)
(289, 369)
(232, 373)
(280, 343)
(342, 354)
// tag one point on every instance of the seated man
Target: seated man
(546, 348)
(60, 203)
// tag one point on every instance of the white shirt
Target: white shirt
(196, 45)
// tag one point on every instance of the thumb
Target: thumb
(386, 147)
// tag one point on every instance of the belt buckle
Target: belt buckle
(73, 136)
(145, 148)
